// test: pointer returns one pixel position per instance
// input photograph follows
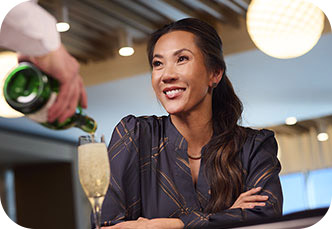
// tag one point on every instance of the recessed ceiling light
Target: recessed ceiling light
(62, 27)
(291, 121)
(322, 137)
(126, 51)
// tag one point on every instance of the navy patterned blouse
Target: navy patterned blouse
(151, 177)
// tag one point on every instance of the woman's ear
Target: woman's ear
(216, 77)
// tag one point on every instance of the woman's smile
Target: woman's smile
(173, 92)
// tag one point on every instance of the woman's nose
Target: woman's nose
(169, 75)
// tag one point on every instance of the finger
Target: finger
(253, 204)
(246, 201)
(248, 193)
(68, 96)
(71, 107)
(254, 198)
(83, 95)
(62, 101)
(59, 106)
(251, 191)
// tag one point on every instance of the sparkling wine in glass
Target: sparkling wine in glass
(94, 171)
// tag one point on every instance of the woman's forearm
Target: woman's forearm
(167, 223)
(143, 223)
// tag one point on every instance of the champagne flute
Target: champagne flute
(94, 171)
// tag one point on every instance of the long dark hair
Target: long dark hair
(223, 165)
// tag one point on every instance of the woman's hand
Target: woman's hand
(140, 223)
(249, 200)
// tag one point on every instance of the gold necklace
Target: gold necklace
(194, 158)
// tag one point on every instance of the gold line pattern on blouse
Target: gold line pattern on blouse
(172, 188)
(116, 183)
(169, 178)
(254, 179)
(183, 161)
(200, 195)
(266, 173)
(129, 134)
(185, 171)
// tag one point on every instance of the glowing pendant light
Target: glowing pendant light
(126, 43)
(284, 28)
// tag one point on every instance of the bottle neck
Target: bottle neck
(84, 122)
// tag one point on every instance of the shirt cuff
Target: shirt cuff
(194, 219)
(33, 34)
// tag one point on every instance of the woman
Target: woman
(189, 169)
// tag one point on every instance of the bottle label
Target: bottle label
(41, 115)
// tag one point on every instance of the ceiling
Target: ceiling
(300, 86)
(303, 126)
(96, 26)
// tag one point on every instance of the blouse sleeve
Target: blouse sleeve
(262, 168)
(122, 200)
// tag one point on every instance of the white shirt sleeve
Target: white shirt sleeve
(30, 30)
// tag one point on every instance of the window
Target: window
(309, 190)
(320, 188)
(294, 191)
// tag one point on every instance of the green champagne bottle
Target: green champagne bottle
(31, 92)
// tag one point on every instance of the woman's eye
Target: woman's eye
(183, 58)
(156, 63)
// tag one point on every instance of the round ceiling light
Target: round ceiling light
(284, 28)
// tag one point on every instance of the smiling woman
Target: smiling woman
(179, 77)
(196, 167)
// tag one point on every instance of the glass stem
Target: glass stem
(97, 212)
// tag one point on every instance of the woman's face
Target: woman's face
(179, 76)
